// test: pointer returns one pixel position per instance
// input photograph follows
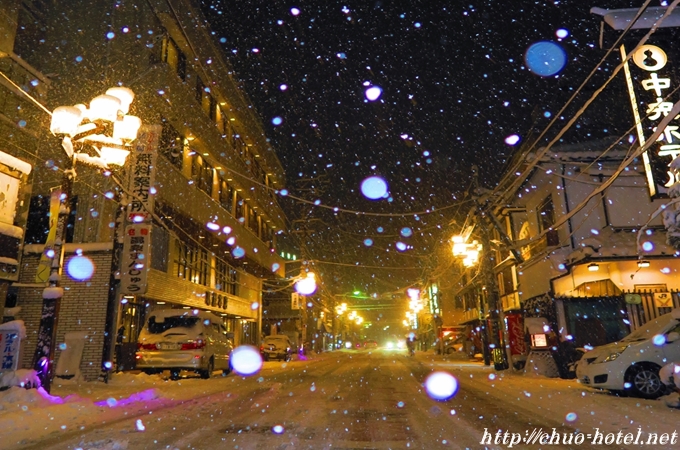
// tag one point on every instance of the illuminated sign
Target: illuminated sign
(135, 259)
(539, 340)
(650, 82)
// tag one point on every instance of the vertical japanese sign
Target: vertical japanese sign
(135, 260)
(295, 301)
(142, 174)
(650, 81)
(42, 274)
(9, 345)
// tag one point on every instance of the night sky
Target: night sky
(454, 86)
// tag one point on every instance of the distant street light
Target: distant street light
(306, 285)
(106, 129)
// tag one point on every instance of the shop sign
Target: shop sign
(9, 344)
(136, 258)
(295, 301)
(633, 299)
(663, 300)
(650, 80)
(142, 174)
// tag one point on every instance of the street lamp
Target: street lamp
(306, 285)
(471, 257)
(106, 128)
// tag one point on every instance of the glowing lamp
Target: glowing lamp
(65, 120)
(459, 246)
(116, 156)
(307, 285)
(124, 95)
(126, 129)
(593, 267)
(104, 107)
(643, 264)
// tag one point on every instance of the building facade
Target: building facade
(583, 267)
(215, 216)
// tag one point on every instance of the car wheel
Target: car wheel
(174, 374)
(450, 351)
(205, 374)
(645, 381)
(265, 357)
(227, 371)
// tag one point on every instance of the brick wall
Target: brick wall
(83, 308)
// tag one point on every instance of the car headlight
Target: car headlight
(615, 353)
(611, 357)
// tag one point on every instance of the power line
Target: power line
(580, 112)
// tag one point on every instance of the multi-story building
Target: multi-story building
(216, 217)
(22, 90)
(583, 267)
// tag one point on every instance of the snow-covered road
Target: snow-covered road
(347, 400)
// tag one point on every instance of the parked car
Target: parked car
(178, 339)
(370, 344)
(277, 346)
(632, 364)
(454, 345)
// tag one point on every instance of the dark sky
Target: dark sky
(454, 87)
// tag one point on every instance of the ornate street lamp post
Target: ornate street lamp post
(106, 128)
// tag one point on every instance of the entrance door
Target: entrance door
(132, 321)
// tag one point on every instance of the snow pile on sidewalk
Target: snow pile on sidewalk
(21, 378)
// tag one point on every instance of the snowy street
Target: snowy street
(342, 399)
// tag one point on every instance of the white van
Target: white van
(632, 364)
(181, 339)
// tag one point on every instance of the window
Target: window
(200, 89)
(171, 144)
(267, 235)
(505, 281)
(226, 196)
(202, 174)
(31, 30)
(219, 119)
(225, 278)
(172, 55)
(203, 96)
(38, 222)
(191, 263)
(546, 219)
(240, 207)
(252, 221)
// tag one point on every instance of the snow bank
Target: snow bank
(137, 397)
(23, 378)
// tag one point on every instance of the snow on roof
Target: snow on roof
(163, 313)
(15, 163)
(619, 19)
(16, 326)
(11, 230)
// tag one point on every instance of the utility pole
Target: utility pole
(490, 282)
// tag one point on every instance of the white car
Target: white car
(633, 363)
(180, 339)
(276, 346)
